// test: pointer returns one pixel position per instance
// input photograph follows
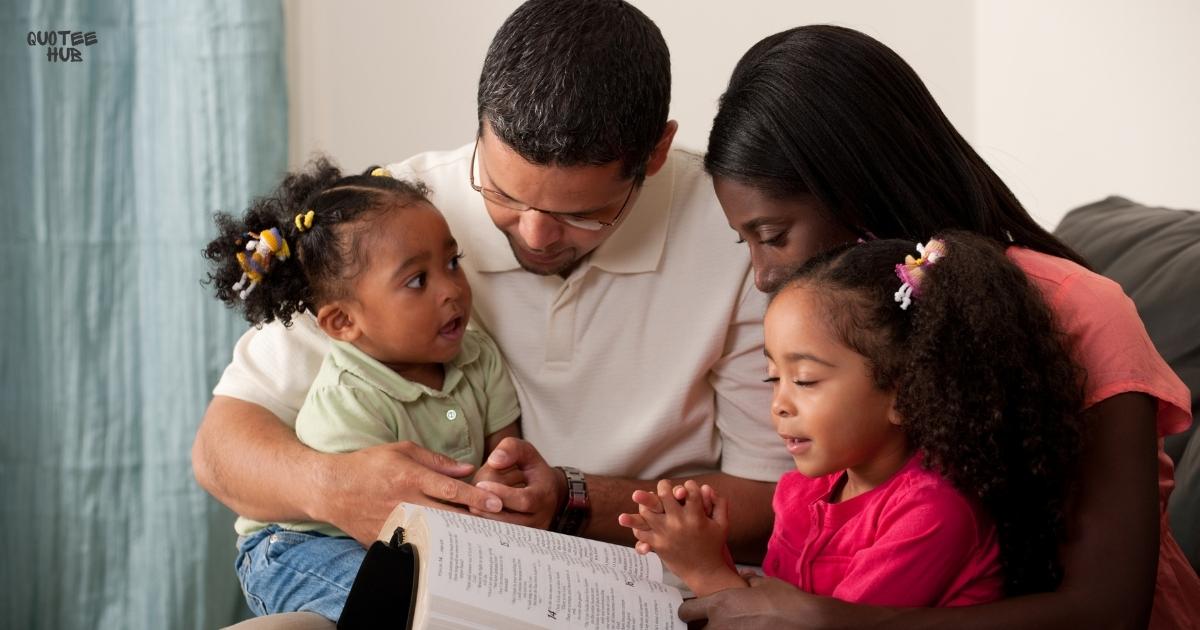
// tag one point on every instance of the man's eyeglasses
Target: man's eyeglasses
(573, 220)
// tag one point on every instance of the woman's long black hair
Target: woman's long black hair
(835, 113)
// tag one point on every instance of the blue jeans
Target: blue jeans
(285, 571)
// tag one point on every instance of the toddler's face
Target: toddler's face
(825, 405)
(412, 300)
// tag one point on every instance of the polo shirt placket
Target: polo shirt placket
(560, 323)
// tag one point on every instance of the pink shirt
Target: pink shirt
(912, 541)
(1111, 344)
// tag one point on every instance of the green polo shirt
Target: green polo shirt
(357, 402)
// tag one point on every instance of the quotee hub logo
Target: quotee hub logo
(62, 45)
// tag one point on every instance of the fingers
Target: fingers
(696, 609)
(527, 486)
(642, 547)
(709, 495)
(528, 500)
(666, 496)
(687, 498)
(455, 492)
(499, 459)
(517, 505)
(648, 500)
(512, 476)
(692, 501)
(633, 521)
(647, 536)
(703, 496)
(720, 511)
(509, 495)
(513, 451)
(436, 462)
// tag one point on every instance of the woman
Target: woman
(825, 135)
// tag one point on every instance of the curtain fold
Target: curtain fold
(110, 169)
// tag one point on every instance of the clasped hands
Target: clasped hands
(687, 525)
(532, 491)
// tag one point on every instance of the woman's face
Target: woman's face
(782, 233)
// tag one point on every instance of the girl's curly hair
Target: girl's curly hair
(324, 257)
(984, 382)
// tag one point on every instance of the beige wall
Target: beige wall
(373, 82)
(1079, 99)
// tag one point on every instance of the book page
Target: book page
(603, 558)
(477, 571)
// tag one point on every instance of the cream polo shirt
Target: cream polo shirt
(356, 402)
(645, 362)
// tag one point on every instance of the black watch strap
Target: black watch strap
(577, 508)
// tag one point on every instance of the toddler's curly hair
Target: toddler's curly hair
(325, 257)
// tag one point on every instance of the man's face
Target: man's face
(541, 243)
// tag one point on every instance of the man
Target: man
(602, 267)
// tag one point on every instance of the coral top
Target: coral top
(1110, 342)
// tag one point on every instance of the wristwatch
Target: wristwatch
(577, 507)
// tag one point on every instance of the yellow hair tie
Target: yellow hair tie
(304, 220)
(381, 172)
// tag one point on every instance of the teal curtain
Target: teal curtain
(112, 166)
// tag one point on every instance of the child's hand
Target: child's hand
(707, 494)
(688, 536)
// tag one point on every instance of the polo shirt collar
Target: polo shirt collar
(489, 250)
(636, 246)
(386, 380)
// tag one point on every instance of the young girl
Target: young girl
(825, 135)
(933, 414)
(375, 264)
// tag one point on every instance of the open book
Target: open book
(477, 573)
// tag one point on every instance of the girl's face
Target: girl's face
(411, 302)
(782, 233)
(825, 405)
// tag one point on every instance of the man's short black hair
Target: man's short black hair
(572, 82)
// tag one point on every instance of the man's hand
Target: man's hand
(769, 604)
(529, 487)
(360, 489)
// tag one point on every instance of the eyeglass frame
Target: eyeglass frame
(564, 218)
